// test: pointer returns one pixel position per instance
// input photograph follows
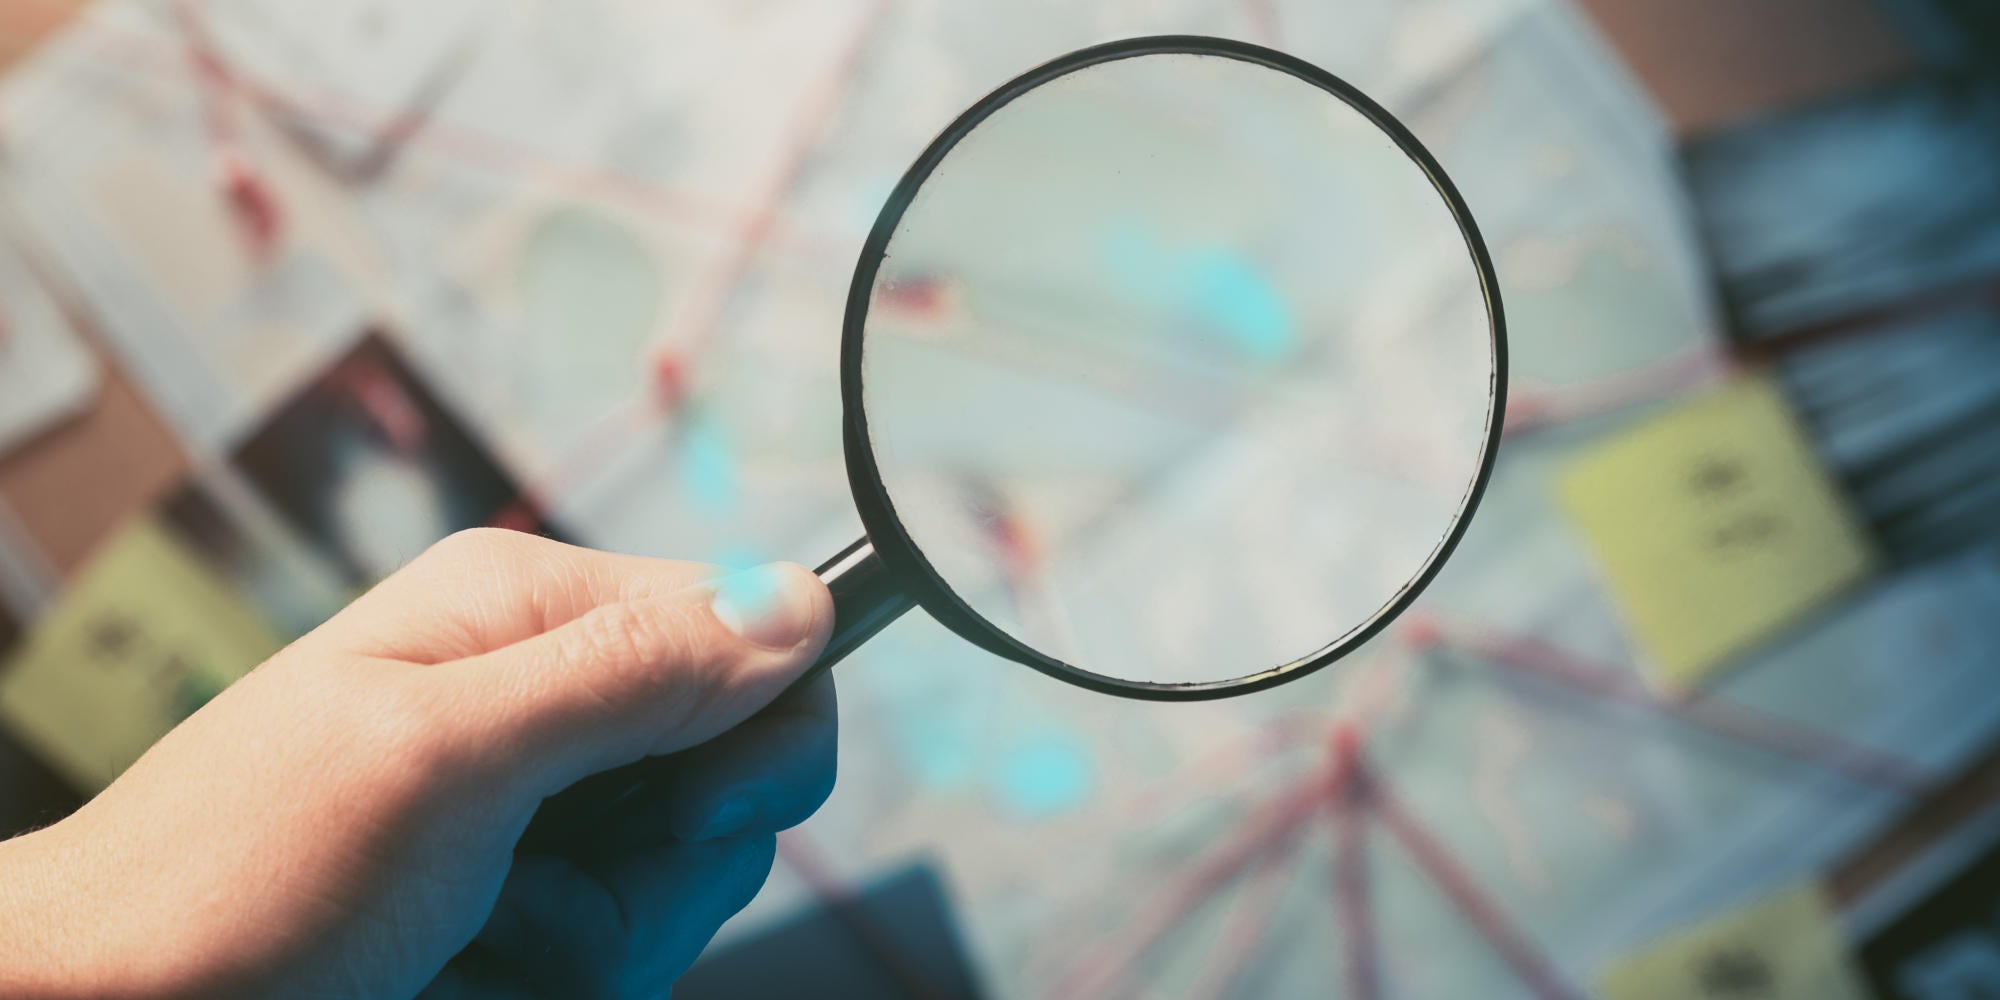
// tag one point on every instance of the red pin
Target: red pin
(250, 200)
(670, 381)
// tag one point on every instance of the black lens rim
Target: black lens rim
(871, 498)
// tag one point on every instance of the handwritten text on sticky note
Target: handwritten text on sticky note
(1715, 526)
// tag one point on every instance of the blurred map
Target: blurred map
(616, 238)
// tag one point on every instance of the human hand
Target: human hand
(343, 821)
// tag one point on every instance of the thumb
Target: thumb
(640, 678)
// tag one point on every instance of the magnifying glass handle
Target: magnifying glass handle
(865, 599)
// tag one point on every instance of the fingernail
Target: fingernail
(767, 606)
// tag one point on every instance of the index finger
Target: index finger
(487, 588)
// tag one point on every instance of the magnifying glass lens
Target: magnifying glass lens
(1177, 369)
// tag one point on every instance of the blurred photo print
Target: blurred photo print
(370, 467)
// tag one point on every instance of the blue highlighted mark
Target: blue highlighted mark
(1045, 776)
(1234, 295)
(708, 465)
(1218, 289)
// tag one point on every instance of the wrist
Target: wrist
(33, 962)
(59, 938)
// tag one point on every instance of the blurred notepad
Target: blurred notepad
(141, 638)
(1714, 526)
(1786, 947)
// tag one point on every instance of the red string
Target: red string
(806, 137)
(1533, 656)
(1530, 410)
(1449, 873)
(466, 145)
(1348, 806)
(670, 392)
(1276, 821)
(1251, 918)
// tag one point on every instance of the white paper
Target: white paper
(46, 373)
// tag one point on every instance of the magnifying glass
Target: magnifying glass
(1173, 369)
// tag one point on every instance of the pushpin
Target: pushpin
(670, 381)
(926, 295)
(250, 200)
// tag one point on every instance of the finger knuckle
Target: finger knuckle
(482, 545)
(618, 634)
(641, 651)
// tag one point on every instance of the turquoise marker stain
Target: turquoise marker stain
(1219, 289)
(1233, 294)
(708, 465)
(1045, 776)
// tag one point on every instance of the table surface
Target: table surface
(1706, 62)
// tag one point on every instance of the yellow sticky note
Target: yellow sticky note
(142, 636)
(1715, 526)
(1786, 947)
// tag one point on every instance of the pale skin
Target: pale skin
(343, 822)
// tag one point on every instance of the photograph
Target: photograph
(370, 467)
